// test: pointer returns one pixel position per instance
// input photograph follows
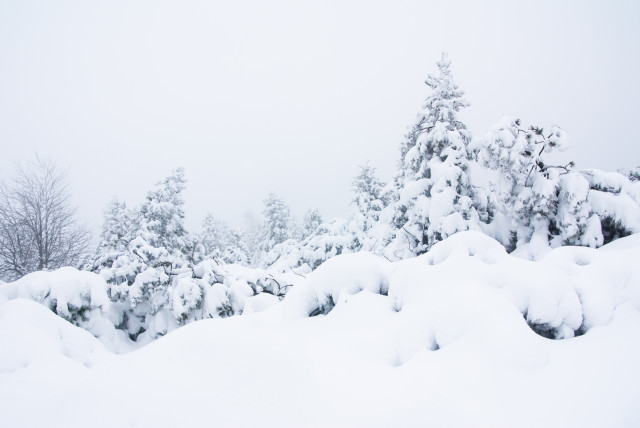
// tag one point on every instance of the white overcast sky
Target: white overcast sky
(290, 96)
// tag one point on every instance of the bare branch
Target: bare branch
(38, 225)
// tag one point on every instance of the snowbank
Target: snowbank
(444, 339)
(31, 335)
(77, 296)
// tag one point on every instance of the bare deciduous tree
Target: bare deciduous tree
(39, 229)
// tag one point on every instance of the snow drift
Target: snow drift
(455, 337)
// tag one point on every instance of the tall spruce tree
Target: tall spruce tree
(432, 191)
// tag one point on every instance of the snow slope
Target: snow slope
(439, 340)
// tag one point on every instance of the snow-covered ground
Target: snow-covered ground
(444, 339)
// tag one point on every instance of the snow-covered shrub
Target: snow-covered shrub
(632, 174)
(543, 205)
(328, 240)
(615, 200)
(138, 279)
(158, 277)
(155, 292)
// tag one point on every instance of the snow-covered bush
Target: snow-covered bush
(159, 277)
(328, 240)
(533, 204)
(632, 174)
(615, 199)
(154, 292)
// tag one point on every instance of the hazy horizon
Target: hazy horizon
(289, 97)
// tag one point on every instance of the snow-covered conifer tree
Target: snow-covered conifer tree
(433, 195)
(118, 227)
(367, 204)
(278, 223)
(163, 214)
(237, 249)
(312, 219)
(214, 235)
(223, 243)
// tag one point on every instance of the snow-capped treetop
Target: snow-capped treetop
(446, 99)
(438, 110)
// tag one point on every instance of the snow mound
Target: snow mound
(33, 335)
(466, 244)
(444, 339)
(335, 279)
(602, 279)
(566, 293)
(65, 291)
(79, 297)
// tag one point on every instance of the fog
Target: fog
(289, 96)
